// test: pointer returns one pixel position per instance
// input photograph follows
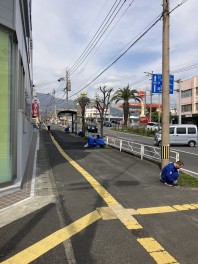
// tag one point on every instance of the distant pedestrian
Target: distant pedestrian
(170, 173)
(67, 129)
(48, 125)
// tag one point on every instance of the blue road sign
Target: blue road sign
(157, 83)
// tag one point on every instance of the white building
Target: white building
(93, 113)
(188, 101)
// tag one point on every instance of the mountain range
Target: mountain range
(49, 103)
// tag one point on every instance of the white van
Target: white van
(180, 135)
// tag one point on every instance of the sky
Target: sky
(66, 36)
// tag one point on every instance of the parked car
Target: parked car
(180, 135)
(92, 128)
(153, 126)
(115, 122)
(107, 124)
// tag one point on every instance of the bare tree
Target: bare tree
(102, 104)
(83, 101)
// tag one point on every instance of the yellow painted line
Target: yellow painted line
(156, 251)
(33, 252)
(156, 210)
(125, 215)
(184, 207)
(108, 198)
(195, 205)
(167, 209)
(121, 213)
(106, 213)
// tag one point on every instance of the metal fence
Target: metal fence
(141, 150)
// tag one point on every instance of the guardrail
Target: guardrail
(149, 152)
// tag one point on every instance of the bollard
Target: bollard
(142, 151)
(120, 145)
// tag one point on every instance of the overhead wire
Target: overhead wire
(99, 36)
(176, 71)
(153, 24)
(78, 74)
(106, 1)
(182, 2)
(123, 53)
(92, 38)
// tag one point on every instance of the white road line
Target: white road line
(185, 152)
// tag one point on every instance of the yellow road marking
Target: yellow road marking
(44, 245)
(156, 210)
(152, 246)
(156, 251)
(106, 213)
(184, 207)
(122, 214)
(167, 209)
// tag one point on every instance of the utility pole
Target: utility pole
(67, 86)
(54, 94)
(165, 149)
(159, 99)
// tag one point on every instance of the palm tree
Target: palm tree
(125, 94)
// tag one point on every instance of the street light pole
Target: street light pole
(151, 95)
(165, 152)
(179, 107)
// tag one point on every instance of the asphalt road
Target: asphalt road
(187, 154)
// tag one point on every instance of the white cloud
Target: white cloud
(62, 29)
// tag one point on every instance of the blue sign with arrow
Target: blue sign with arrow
(157, 83)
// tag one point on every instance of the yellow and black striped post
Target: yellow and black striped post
(165, 152)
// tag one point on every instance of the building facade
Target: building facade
(15, 87)
(188, 101)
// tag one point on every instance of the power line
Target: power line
(182, 2)
(144, 33)
(106, 1)
(97, 38)
(107, 36)
(191, 67)
(93, 37)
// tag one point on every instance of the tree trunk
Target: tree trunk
(126, 112)
(83, 123)
(101, 127)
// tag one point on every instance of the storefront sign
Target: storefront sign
(35, 108)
